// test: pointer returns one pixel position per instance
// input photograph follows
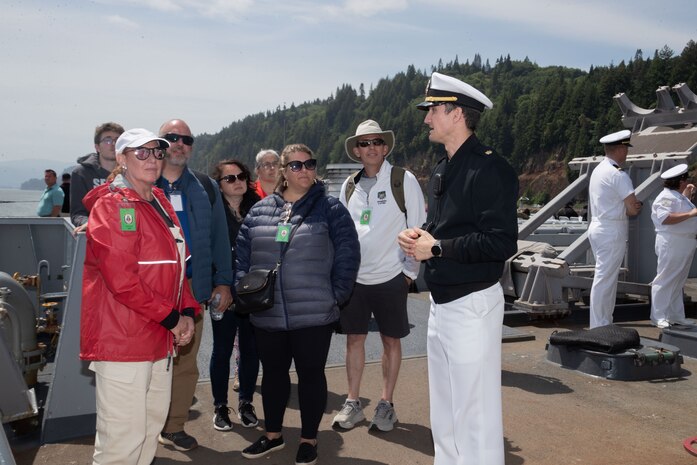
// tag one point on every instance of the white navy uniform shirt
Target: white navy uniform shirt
(671, 201)
(609, 186)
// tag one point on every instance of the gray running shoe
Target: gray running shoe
(385, 416)
(350, 414)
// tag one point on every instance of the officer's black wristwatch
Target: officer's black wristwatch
(436, 249)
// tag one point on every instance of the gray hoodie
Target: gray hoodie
(85, 177)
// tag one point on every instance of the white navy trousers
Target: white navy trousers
(608, 241)
(675, 252)
(464, 374)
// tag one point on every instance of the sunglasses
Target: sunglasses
(143, 153)
(173, 138)
(368, 143)
(296, 165)
(230, 178)
(269, 166)
(107, 140)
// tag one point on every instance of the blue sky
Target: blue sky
(68, 66)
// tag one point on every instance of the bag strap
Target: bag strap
(205, 181)
(396, 183)
(292, 233)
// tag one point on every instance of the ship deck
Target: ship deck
(552, 415)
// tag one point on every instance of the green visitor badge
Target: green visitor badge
(128, 219)
(365, 216)
(283, 233)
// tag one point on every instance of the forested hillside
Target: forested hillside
(542, 116)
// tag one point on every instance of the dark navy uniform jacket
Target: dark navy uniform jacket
(472, 210)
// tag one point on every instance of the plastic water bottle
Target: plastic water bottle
(216, 313)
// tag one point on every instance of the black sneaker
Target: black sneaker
(221, 419)
(179, 440)
(307, 454)
(247, 415)
(263, 446)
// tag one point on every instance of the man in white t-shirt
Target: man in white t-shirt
(385, 273)
(612, 200)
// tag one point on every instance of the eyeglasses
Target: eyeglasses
(230, 178)
(143, 153)
(296, 165)
(269, 166)
(108, 140)
(173, 138)
(367, 143)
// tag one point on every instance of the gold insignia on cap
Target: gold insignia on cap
(441, 99)
(488, 152)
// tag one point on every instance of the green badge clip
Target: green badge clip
(128, 219)
(283, 233)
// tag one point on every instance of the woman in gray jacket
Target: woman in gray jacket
(318, 271)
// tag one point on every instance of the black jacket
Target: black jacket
(472, 210)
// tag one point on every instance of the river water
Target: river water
(18, 202)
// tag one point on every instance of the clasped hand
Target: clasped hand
(184, 331)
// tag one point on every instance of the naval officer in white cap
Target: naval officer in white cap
(612, 200)
(471, 229)
(675, 219)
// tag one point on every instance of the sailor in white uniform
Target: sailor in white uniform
(612, 200)
(675, 219)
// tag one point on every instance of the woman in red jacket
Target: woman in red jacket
(136, 303)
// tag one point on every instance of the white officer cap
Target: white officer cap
(617, 138)
(445, 89)
(675, 171)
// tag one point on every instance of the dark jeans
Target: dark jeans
(308, 348)
(223, 341)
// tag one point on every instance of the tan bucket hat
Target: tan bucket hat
(368, 127)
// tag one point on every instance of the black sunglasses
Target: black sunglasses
(296, 165)
(230, 178)
(367, 143)
(187, 140)
(143, 153)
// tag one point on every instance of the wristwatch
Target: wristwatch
(436, 249)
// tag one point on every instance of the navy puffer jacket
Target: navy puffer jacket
(318, 270)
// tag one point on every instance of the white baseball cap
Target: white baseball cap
(137, 138)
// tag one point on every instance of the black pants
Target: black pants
(308, 348)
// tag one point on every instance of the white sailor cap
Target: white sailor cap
(445, 89)
(617, 138)
(675, 171)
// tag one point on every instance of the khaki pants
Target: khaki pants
(184, 379)
(132, 400)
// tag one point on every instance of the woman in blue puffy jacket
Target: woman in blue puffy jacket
(316, 277)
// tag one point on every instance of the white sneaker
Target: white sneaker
(385, 416)
(350, 414)
(662, 323)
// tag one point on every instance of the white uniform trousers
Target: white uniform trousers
(464, 374)
(132, 404)
(609, 242)
(675, 252)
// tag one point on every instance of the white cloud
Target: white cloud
(623, 23)
(121, 21)
(374, 7)
(227, 10)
